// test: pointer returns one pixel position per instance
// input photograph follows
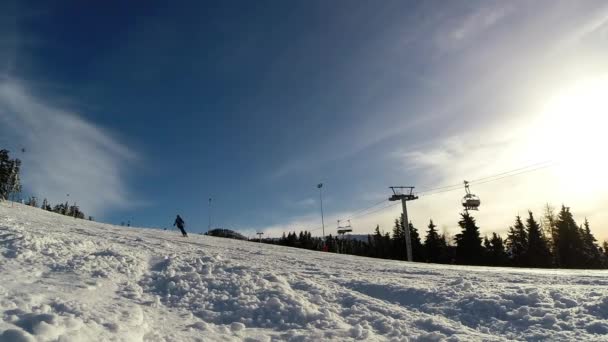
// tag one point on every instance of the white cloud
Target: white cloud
(65, 154)
(304, 203)
(456, 33)
(478, 21)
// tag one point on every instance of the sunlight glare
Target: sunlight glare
(572, 131)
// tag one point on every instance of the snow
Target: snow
(64, 279)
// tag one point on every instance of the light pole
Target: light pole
(320, 187)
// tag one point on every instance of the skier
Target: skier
(180, 225)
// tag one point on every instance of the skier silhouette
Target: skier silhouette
(180, 225)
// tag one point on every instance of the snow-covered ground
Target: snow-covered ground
(63, 279)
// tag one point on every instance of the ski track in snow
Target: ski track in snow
(64, 279)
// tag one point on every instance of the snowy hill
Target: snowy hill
(73, 280)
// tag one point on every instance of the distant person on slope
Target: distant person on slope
(180, 225)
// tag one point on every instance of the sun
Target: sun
(572, 131)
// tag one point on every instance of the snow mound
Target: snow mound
(65, 279)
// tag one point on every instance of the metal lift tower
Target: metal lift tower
(404, 193)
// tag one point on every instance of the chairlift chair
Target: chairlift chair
(470, 201)
(344, 229)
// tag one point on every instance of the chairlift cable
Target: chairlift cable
(487, 179)
(432, 191)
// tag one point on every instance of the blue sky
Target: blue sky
(141, 111)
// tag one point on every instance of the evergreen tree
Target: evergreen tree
(495, 251)
(370, 243)
(486, 243)
(379, 247)
(605, 254)
(307, 243)
(58, 208)
(9, 175)
(469, 250)
(398, 242)
(432, 244)
(292, 239)
(517, 243)
(386, 243)
(448, 250)
(549, 228)
(32, 201)
(592, 257)
(330, 241)
(417, 251)
(568, 240)
(46, 205)
(538, 252)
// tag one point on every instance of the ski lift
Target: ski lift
(470, 201)
(344, 229)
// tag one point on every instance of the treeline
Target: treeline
(61, 208)
(10, 185)
(555, 241)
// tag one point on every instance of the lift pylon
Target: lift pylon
(404, 193)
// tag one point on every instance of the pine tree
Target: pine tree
(46, 206)
(486, 243)
(379, 248)
(386, 242)
(448, 250)
(417, 251)
(592, 257)
(568, 240)
(15, 178)
(517, 243)
(292, 239)
(32, 201)
(370, 244)
(538, 253)
(5, 166)
(605, 254)
(9, 175)
(330, 241)
(398, 242)
(306, 240)
(549, 227)
(432, 244)
(469, 250)
(495, 251)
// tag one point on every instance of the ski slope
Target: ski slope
(64, 279)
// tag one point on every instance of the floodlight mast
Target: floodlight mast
(404, 193)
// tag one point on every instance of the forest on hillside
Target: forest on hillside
(554, 241)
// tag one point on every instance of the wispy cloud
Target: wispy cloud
(65, 154)
(304, 203)
(479, 20)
